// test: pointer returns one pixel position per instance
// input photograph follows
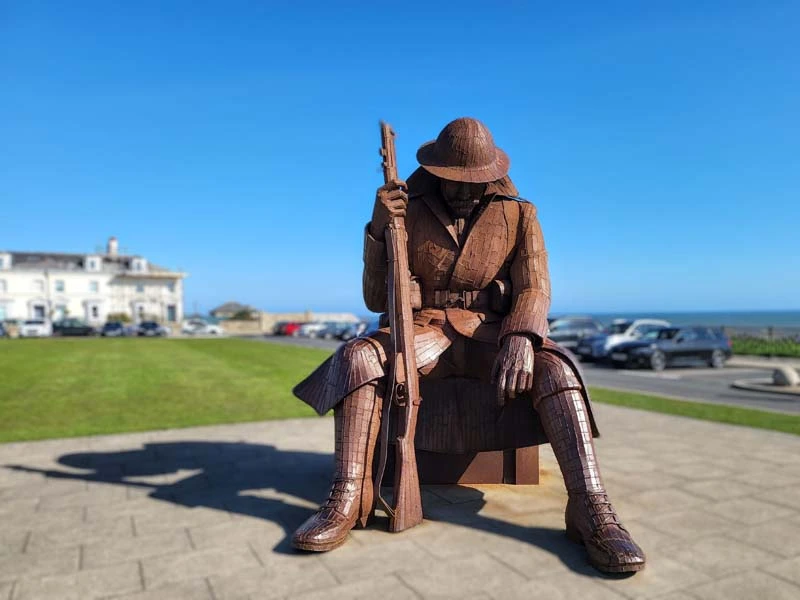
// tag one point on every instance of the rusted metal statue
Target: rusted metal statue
(480, 293)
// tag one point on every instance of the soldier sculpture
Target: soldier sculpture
(479, 266)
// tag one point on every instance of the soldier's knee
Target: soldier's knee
(553, 375)
(364, 354)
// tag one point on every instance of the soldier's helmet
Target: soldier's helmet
(464, 151)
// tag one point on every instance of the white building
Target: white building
(88, 286)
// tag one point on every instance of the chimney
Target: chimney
(113, 246)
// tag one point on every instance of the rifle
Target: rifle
(403, 377)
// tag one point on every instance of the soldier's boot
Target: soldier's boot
(350, 502)
(590, 517)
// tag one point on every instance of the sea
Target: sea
(774, 323)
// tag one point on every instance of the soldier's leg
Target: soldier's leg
(357, 375)
(590, 517)
(350, 502)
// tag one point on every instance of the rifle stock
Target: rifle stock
(403, 378)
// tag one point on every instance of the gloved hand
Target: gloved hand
(513, 367)
(391, 200)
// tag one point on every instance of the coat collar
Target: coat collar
(441, 213)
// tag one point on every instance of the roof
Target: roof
(63, 261)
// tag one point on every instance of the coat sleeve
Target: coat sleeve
(530, 281)
(375, 270)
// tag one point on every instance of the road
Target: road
(697, 384)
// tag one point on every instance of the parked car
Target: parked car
(113, 329)
(201, 327)
(151, 329)
(673, 346)
(333, 329)
(292, 328)
(353, 331)
(73, 327)
(310, 329)
(598, 346)
(35, 328)
(569, 331)
(3, 332)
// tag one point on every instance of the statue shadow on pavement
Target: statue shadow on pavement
(242, 478)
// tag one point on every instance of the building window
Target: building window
(38, 285)
(171, 287)
(2, 262)
(93, 286)
(172, 313)
(92, 264)
(140, 288)
(3, 286)
(59, 285)
(95, 312)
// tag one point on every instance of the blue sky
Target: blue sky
(238, 141)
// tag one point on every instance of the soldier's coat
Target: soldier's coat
(504, 242)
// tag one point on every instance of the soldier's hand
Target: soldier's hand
(513, 368)
(390, 201)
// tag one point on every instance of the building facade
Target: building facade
(48, 285)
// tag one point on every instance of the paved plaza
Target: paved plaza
(207, 513)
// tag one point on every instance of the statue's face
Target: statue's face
(462, 197)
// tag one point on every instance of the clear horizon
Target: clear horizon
(659, 143)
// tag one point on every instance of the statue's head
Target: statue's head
(466, 160)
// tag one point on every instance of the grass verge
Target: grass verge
(761, 347)
(65, 387)
(733, 415)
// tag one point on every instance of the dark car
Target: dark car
(353, 331)
(673, 346)
(3, 332)
(332, 329)
(569, 331)
(113, 329)
(73, 327)
(150, 329)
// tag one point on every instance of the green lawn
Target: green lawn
(66, 387)
(734, 415)
(69, 387)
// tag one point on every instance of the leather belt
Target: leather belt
(460, 299)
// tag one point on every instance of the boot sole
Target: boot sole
(312, 547)
(576, 537)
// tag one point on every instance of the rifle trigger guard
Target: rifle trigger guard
(400, 397)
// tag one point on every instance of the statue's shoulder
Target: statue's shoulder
(503, 197)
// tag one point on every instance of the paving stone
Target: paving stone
(118, 550)
(41, 521)
(12, 543)
(304, 573)
(159, 521)
(655, 502)
(721, 489)
(749, 511)
(750, 585)
(72, 534)
(108, 494)
(478, 572)
(786, 569)
(42, 487)
(555, 587)
(781, 536)
(5, 590)
(719, 556)
(690, 523)
(766, 478)
(84, 585)
(196, 589)
(698, 471)
(39, 564)
(385, 588)
(237, 533)
(171, 568)
(352, 563)
(785, 496)
(660, 576)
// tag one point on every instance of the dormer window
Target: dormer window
(5, 261)
(139, 265)
(93, 263)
